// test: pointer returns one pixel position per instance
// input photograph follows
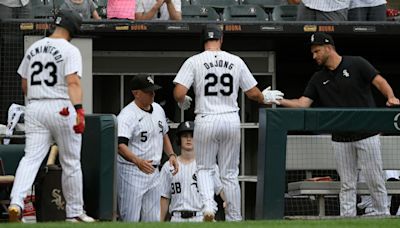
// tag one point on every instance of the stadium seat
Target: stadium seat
(42, 9)
(284, 13)
(244, 13)
(267, 5)
(191, 12)
(218, 4)
(264, 3)
(185, 2)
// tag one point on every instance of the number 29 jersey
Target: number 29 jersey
(216, 77)
(45, 65)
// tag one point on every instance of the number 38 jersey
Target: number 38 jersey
(45, 65)
(216, 77)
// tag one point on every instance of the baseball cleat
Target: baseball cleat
(81, 218)
(14, 213)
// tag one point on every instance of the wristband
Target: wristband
(78, 106)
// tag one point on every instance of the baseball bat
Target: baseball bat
(52, 155)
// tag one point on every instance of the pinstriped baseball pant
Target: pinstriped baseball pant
(43, 125)
(217, 138)
(138, 194)
(367, 154)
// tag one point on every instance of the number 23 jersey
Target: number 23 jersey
(45, 65)
(216, 77)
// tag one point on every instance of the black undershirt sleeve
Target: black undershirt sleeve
(123, 140)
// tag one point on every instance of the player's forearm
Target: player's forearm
(128, 155)
(383, 86)
(180, 92)
(74, 89)
(75, 94)
(255, 95)
(164, 204)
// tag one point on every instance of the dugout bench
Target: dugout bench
(314, 152)
(274, 125)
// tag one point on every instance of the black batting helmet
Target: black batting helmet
(211, 32)
(187, 126)
(70, 20)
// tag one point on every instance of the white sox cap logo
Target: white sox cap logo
(312, 38)
(150, 80)
(210, 35)
(346, 73)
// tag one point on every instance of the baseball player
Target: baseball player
(142, 136)
(345, 81)
(51, 70)
(180, 192)
(216, 77)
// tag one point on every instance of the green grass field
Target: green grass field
(341, 223)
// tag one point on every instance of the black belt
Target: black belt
(186, 214)
(351, 137)
(155, 166)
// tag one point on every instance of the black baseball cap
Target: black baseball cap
(144, 82)
(70, 20)
(320, 38)
(211, 32)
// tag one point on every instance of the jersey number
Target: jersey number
(143, 136)
(176, 188)
(226, 80)
(38, 68)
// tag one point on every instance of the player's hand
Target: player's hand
(145, 166)
(79, 127)
(272, 96)
(186, 103)
(393, 101)
(174, 163)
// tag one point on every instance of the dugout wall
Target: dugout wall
(274, 125)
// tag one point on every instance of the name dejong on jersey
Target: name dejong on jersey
(216, 77)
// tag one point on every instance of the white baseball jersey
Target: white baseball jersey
(45, 65)
(144, 130)
(182, 188)
(216, 77)
(163, 14)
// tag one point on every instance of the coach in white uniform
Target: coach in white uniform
(216, 76)
(142, 135)
(51, 72)
(180, 193)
